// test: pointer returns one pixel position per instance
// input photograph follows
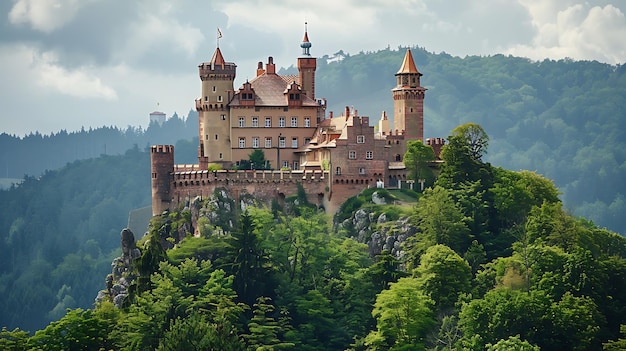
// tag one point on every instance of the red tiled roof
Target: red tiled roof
(270, 91)
(408, 65)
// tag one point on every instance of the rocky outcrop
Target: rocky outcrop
(122, 275)
(378, 233)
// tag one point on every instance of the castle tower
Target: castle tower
(408, 101)
(217, 78)
(307, 66)
(162, 167)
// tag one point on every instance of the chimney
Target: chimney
(330, 114)
(259, 69)
(270, 68)
(347, 112)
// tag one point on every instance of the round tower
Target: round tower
(408, 101)
(217, 78)
(162, 166)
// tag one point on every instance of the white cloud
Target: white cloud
(577, 31)
(45, 15)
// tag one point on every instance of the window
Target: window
(281, 122)
(242, 122)
(268, 142)
(221, 156)
(285, 164)
(282, 141)
(223, 117)
(352, 155)
(296, 165)
(294, 143)
(255, 121)
(294, 122)
(268, 122)
(307, 140)
(361, 171)
(219, 98)
(206, 137)
(214, 88)
(206, 98)
(216, 137)
(307, 121)
(360, 139)
(255, 142)
(338, 171)
(369, 155)
(242, 143)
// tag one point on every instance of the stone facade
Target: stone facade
(333, 157)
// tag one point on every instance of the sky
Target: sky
(68, 64)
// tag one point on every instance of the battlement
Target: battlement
(192, 178)
(225, 71)
(436, 144)
(162, 149)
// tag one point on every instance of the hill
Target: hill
(484, 259)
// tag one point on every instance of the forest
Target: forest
(495, 263)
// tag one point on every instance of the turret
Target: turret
(162, 166)
(408, 100)
(307, 66)
(217, 78)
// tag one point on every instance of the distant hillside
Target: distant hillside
(35, 153)
(563, 119)
(59, 233)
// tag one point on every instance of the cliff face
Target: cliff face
(377, 229)
(122, 275)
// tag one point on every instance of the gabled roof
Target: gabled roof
(269, 90)
(408, 65)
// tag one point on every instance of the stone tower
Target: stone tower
(162, 167)
(307, 66)
(217, 78)
(408, 101)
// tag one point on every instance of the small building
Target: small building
(157, 117)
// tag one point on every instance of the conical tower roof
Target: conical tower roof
(408, 65)
(217, 58)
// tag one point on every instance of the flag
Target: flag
(219, 33)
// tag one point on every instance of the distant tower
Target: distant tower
(408, 100)
(307, 66)
(157, 117)
(217, 78)
(162, 166)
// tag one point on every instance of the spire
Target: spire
(408, 65)
(306, 44)
(217, 58)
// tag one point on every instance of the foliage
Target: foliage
(416, 159)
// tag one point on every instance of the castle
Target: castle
(333, 157)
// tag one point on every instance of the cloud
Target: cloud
(45, 15)
(28, 64)
(578, 31)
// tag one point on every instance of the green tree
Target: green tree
(257, 160)
(443, 275)
(513, 343)
(263, 329)
(475, 137)
(404, 317)
(441, 221)
(15, 340)
(416, 160)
